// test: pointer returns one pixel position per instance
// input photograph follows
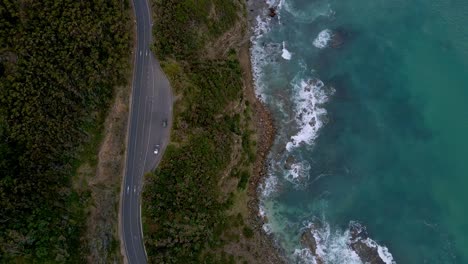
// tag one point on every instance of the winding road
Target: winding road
(151, 104)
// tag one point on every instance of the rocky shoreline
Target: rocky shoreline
(366, 249)
(265, 133)
(363, 246)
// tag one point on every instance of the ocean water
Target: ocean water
(371, 104)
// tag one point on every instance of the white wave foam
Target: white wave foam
(267, 228)
(310, 96)
(304, 256)
(261, 211)
(261, 27)
(281, 4)
(370, 243)
(262, 53)
(321, 237)
(333, 247)
(286, 54)
(269, 186)
(298, 174)
(321, 41)
(271, 3)
(384, 254)
(258, 53)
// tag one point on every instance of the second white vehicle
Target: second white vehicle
(156, 150)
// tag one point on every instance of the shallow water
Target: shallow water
(383, 141)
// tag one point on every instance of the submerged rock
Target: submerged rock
(312, 122)
(289, 162)
(337, 40)
(339, 37)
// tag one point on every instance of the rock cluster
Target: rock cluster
(359, 242)
(266, 132)
(290, 160)
(308, 240)
(266, 135)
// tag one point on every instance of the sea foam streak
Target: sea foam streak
(310, 97)
(310, 12)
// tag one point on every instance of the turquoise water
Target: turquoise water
(388, 146)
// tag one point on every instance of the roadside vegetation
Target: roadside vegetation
(60, 62)
(191, 202)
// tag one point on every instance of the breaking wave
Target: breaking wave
(260, 53)
(310, 95)
(323, 38)
(330, 247)
(298, 173)
(269, 185)
(383, 252)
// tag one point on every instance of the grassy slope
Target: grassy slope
(191, 204)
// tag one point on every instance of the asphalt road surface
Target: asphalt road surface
(151, 105)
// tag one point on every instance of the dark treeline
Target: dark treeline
(59, 63)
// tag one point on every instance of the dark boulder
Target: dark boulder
(337, 40)
(289, 162)
(365, 248)
(272, 12)
(308, 241)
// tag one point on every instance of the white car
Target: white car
(156, 150)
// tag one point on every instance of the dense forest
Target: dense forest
(187, 201)
(59, 64)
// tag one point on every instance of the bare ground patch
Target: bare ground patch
(103, 183)
(234, 38)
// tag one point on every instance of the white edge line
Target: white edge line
(130, 100)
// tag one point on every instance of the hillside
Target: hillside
(60, 62)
